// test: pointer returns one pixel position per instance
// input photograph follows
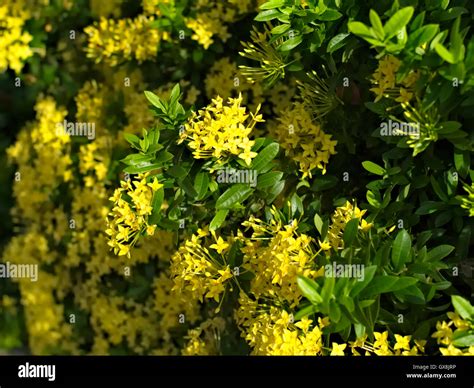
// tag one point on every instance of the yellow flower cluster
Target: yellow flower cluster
(48, 333)
(221, 130)
(386, 85)
(383, 347)
(224, 79)
(342, 215)
(129, 218)
(69, 241)
(116, 41)
(90, 102)
(43, 159)
(444, 335)
(152, 7)
(276, 254)
(106, 8)
(171, 308)
(212, 17)
(14, 48)
(205, 339)
(303, 140)
(201, 272)
(274, 332)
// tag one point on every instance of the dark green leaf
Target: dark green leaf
(218, 219)
(235, 194)
(401, 250)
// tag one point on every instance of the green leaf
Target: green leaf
(429, 207)
(373, 168)
(422, 35)
(399, 20)
(291, 43)
(337, 42)
(387, 283)
(327, 290)
(132, 139)
(360, 29)
(156, 203)
(348, 302)
(401, 250)
(373, 199)
(444, 53)
(137, 159)
(281, 29)
(309, 288)
(140, 169)
(334, 313)
(412, 295)
(324, 183)
(235, 194)
(437, 189)
(268, 179)
(154, 100)
(463, 338)
(218, 219)
(329, 15)
(201, 184)
(187, 186)
(265, 156)
(462, 162)
(175, 93)
(267, 15)
(376, 24)
(305, 311)
(359, 285)
(318, 222)
(273, 4)
(350, 231)
(439, 253)
(163, 157)
(463, 307)
(177, 171)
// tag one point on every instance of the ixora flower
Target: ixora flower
(342, 215)
(303, 140)
(276, 254)
(129, 217)
(219, 131)
(116, 41)
(386, 84)
(14, 48)
(199, 268)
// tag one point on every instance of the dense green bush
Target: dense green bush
(287, 177)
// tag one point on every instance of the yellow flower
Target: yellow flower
(219, 131)
(303, 140)
(220, 245)
(114, 41)
(405, 96)
(155, 185)
(402, 342)
(304, 324)
(381, 340)
(338, 350)
(129, 217)
(325, 246)
(443, 333)
(458, 321)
